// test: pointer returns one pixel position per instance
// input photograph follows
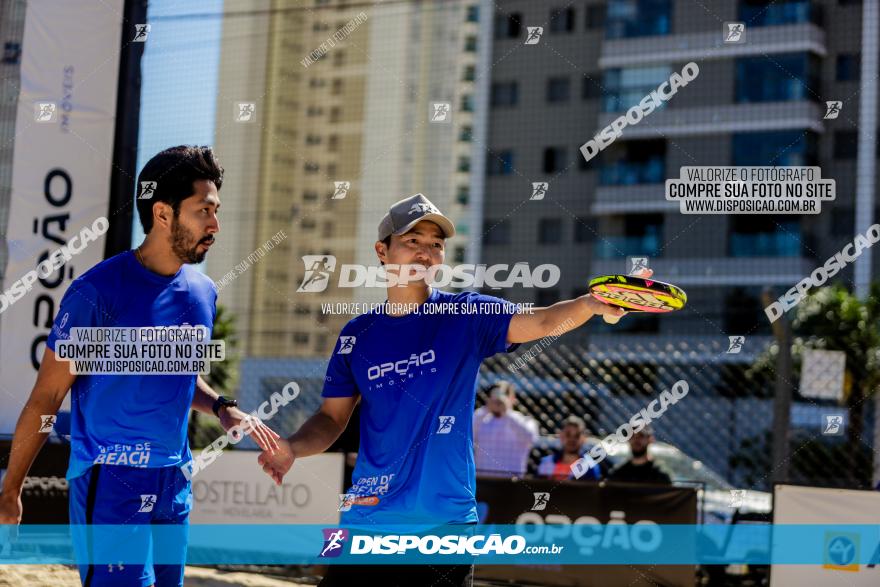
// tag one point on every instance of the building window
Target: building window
(335, 114)
(849, 67)
(780, 78)
(464, 164)
(554, 159)
(549, 231)
(465, 135)
(592, 86)
(310, 196)
(633, 163)
(463, 195)
(337, 87)
(470, 44)
(633, 235)
(500, 163)
(467, 103)
(584, 229)
(496, 232)
(473, 14)
(777, 12)
(784, 147)
(11, 52)
(508, 26)
(763, 236)
(842, 220)
(311, 167)
(470, 73)
(638, 18)
(846, 144)
(595, 16)
(313, 139)
(558, 89)
(624, 88)
(339, 57)
(332, 143)
(504, 94)
(301, 337)
(458, 256)
(562, 20)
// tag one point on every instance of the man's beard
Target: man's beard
(185, 244)
(640, 453)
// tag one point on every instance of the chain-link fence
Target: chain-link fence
(723, 427)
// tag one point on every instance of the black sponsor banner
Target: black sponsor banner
(44, 494)
(514, 501)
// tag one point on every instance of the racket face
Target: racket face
(636, 294)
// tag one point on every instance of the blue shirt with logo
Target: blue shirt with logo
(132, 420)
(417, 377)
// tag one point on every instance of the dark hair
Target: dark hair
(576, 422)
(174, 170)
(507, 387)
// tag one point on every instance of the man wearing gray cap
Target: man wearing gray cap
(414, 369)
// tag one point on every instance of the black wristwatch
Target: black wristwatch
(223, 402)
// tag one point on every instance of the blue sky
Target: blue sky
(179, 79)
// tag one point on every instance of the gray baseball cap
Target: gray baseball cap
(408, 212)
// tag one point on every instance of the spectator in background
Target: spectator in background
(572, 437)
(641, 468)
(503, 437)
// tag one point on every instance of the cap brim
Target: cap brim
(442, 221)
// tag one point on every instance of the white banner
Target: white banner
(62, 159)
(235, 490)
(850, 560)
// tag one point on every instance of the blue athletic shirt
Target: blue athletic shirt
(132, 420)
(417, 377)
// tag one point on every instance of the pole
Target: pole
(125, 139)
(782, 395)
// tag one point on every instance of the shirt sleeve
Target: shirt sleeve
(526, 428)
(339, 381)
(81, 307)
(491, 322)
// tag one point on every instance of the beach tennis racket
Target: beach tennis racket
(637, 294)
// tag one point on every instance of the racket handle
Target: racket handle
(611, 319)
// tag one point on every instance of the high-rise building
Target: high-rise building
(345, 123)
(761, 101)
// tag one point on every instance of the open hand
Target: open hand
(276, 464)
(10, 509)
(265, 437)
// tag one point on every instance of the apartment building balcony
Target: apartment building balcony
(760, 40)
(740, 271)
(721, 119)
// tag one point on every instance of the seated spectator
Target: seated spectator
(503, 437)
(557, 465)
(641, 467)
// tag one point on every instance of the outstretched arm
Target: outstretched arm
(314, 437)
(203, 401)
(560, 317)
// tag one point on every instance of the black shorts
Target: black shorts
(399, 575)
